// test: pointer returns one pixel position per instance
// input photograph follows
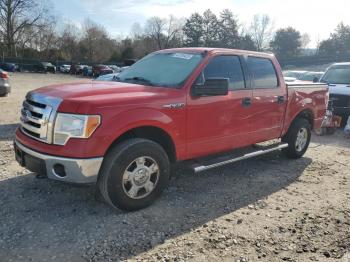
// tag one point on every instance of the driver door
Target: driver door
(219, 123)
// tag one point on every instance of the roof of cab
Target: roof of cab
(217, 50)
(341, 64)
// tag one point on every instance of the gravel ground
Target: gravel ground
(264, 209)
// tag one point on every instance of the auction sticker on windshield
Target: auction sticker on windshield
(182, 55)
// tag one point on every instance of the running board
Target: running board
(200, 168)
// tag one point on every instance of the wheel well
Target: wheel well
(155, 134)
(308, 115)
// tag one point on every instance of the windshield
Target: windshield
(162, 69)
(337, 75)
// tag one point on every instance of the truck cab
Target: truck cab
(173, 105)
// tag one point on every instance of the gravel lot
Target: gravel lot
(264, 209)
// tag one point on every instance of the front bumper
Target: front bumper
(72, 170)
(342, 111)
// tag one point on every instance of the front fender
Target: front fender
(170, 122)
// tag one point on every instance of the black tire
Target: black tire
(331, 130)
(293, 151)
(116, 162)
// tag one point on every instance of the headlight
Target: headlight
(74, 126)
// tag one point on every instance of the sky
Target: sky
(318, 18)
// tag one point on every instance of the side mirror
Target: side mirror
(315, 80)
(211, 87)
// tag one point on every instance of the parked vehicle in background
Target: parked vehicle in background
(108, 77)
(124, 68)
(289, 79)
(87, 71)
(8, 67)
(79, 69)
(116, 69)
(44, 67)
(337, 77)
(129, 62)
(294, 73)
(172, 105)
(311, 76)
(5, 87)
(73, 69)
(64, 69)
(99, 70)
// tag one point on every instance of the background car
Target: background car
(116, 69)
(8, 67)
(289, 79)
(73, 69)
(337, 77)
(99, 70)
(87, 71)
(311, 76)
(44, 67)
(4, 83)
(294, 73)
(64, 69)
(108, 77)
(79, 69)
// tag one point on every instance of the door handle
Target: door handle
(246, 102)
(280, 99)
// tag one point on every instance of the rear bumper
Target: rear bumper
(72, 170)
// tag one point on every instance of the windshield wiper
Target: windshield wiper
(140, 79)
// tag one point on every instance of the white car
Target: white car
(294, 73)
(64, 68)
(337, 77)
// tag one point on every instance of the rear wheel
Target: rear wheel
(134, 174)
(298, 138)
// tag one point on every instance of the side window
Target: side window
(225, 67)
(263, 72)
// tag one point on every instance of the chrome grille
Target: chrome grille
(37, 116)
(340, 100)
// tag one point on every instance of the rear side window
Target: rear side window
(263, 72)
(226, 67)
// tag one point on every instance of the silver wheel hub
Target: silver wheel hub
(140, 177)
(301, 140)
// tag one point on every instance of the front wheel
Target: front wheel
(134, 174)
(298, 138)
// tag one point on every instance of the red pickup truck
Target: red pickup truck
(172, 105)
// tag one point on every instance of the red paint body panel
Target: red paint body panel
(205, 125)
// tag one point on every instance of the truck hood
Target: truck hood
(339, 89)
(104, 93)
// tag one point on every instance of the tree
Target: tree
(339, 41)
(194, 30)
(228, 31)
(286, 43)
(305, 40)
(96, 43)
(261, 30)
(211, 29)
(246, 42)
(164, 32)
(16, 16)
(68, 42)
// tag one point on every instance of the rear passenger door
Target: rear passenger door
(269, 99)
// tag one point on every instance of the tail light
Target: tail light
(4, 75)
